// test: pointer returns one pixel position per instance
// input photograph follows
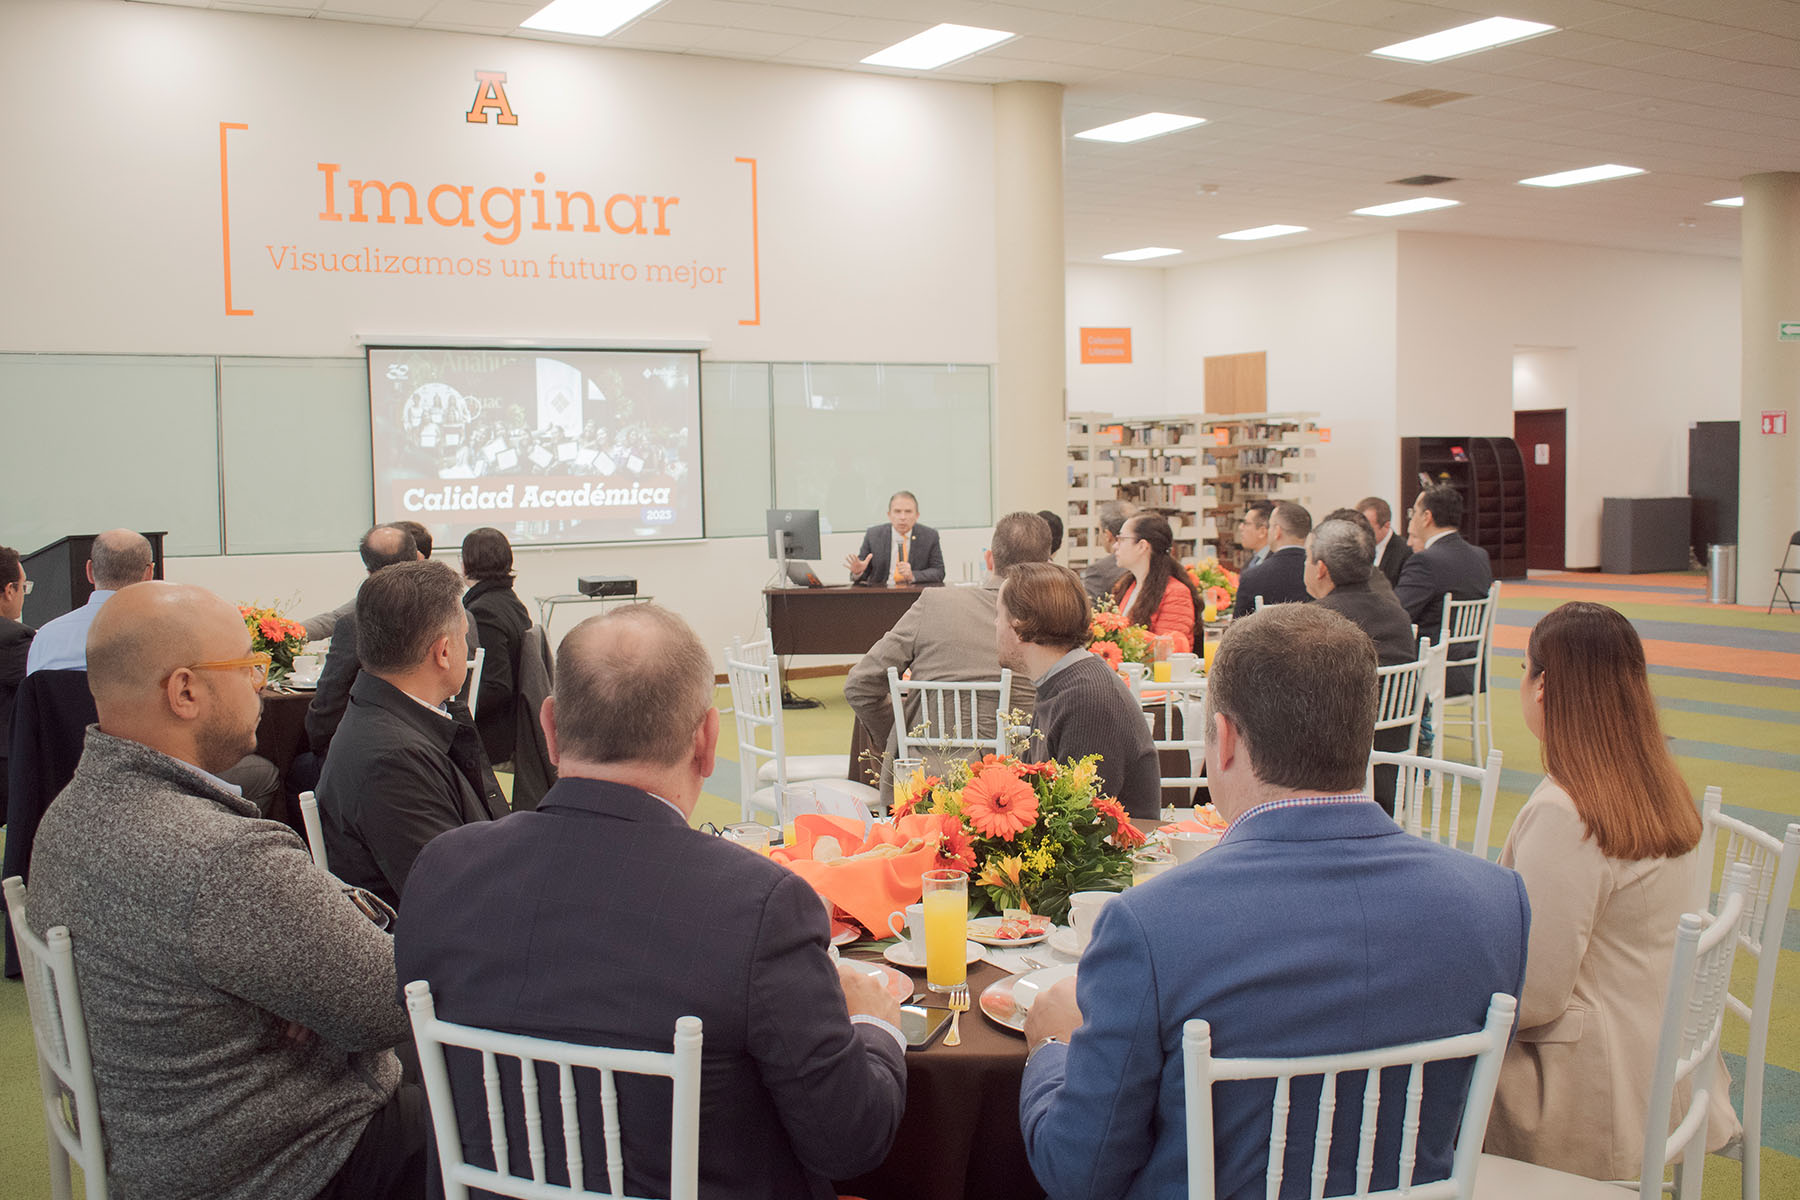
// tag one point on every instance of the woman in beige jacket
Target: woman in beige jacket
(1607, 847)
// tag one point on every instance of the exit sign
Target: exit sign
(1775, 423)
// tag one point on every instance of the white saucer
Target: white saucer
(1062, 940)
(901, 955)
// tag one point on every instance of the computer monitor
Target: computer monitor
(800, 529)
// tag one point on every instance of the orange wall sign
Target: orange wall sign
(1105, 345)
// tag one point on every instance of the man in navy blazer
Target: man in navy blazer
(602, 917)
(1281, 577)
(1447, 566)
(902, 551)
(1315, 926)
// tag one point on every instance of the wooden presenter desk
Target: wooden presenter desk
(847, 619)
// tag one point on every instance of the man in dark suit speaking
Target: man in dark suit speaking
(902, 551)
(602, 917)
(1446, 566)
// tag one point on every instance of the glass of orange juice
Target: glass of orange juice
(946, 903)
(792, 801)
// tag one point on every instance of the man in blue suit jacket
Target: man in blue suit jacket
(603, 918)
(1316, 926)
(902, 551)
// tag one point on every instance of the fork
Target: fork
(958, 1003)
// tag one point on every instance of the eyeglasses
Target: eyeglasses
(258, 664)
(24, 584)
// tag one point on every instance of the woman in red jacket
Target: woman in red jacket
(1155, 590)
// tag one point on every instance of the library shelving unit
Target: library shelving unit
(1155, 463)
(1256, 456)
(1490, 474)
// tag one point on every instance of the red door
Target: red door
(1541, 435)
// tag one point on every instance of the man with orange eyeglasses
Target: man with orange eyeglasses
(241, 1004)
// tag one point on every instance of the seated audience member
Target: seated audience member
(421, 536)
(538, 924)
(1391, 552)
(948, 636)
(240, 1007)
(1295, 961)
(1606, 845)
(901, 551)
(15, 644)
(500, 624)
(119, 558)
(402, 769)
(325, 624)
(1378, 583)
(1056, 529)
(1102, 573)
(1155, 590)
(1339, 569)
(1041, 628)
(1253, 531)
(1445, 565)
(382, 546)
(1281, 577)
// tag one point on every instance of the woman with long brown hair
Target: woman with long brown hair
(1607, 848)
(1155, 590)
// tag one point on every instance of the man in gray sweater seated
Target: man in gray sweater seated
(240, 1005)
(1083, 708)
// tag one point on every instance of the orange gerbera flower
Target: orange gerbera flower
(1106, 806)
(957, 851)
(1128, 836)
(1109, 620)
(1110, 652)
(1047, 769)
(1000, 804)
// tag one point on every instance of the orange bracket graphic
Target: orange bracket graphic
(755, 248)
(225, 220)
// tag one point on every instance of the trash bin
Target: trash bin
(1721, 574)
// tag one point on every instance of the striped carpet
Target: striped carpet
(1726, 677)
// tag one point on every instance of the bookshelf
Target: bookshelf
(1258, 456)
(1158, 464)
(1490, 474)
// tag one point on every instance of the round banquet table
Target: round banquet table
(960, 1135)
(280, 735)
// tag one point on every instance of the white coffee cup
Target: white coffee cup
(1084, 908)
(1183, 666)
(306, 666)
(909, 927)
(1134, 672)
(1187, 845)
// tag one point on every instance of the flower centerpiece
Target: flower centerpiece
(1217, 586)
(1113, 638)
(277, 636)
(1030, 835)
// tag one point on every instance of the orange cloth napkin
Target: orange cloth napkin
(869, 889)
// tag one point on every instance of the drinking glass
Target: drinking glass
(1148, 864)
(946, 904)
(795, 799)
(749, 834)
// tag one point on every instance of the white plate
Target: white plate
(1062, 940)
(898, 985)
(901, 955)
(981, 929)
(1006, 1001)
(843, 933)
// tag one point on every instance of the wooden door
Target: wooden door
(1542, 436)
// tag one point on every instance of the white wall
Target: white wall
(1545, 377)
(872, 238)
(1656, 338)
(1112, 298)
(1325, 317)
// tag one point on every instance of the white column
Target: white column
(1029, 397)
(1768, 467)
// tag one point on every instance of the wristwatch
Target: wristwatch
(1052, 1040)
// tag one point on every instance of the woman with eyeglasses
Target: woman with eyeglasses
(1155, 590)
(1607, 848)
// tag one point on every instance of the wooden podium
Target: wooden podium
(58, 574)
(836, 620)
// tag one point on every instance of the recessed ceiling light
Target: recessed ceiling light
(1464, 39)
(1262, 231)
(1400, 208)
(1728, 202)
(1582, 175)
(1141, 253)
(938, 46)
(587, 18)
(1136, 129)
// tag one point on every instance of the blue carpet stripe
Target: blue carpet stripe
(1742, 755)
(1781, 1113)
(1576, 584)
(1682, 672)
(1773, 640)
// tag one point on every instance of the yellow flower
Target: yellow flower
(1082, 776)
(1002, 872)
(1041, 859)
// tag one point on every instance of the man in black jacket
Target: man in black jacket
(402, 769)
(15, 642)
(1281, 577)
(1446, 566)
(1391, 550)
(1339, 566)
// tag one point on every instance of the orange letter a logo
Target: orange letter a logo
(491, 94)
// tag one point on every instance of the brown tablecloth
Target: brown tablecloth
(280, 735)
(960, 1134)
